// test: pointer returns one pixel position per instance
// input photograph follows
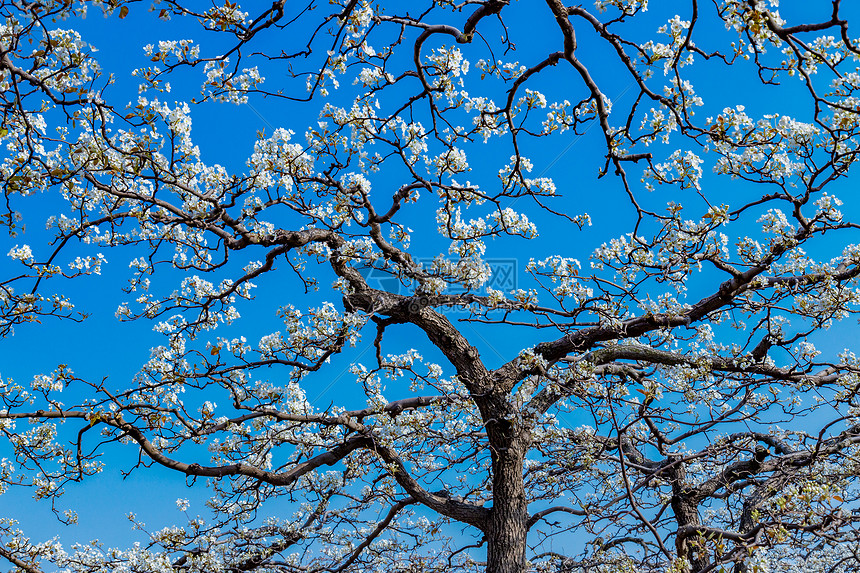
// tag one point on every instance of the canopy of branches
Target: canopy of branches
(480, 286)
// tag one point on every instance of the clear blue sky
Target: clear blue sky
(102, 347)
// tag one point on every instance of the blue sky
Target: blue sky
(102, 347)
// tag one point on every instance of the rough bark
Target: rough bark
(508, 523)
(686, 508)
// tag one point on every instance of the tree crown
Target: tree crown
(484, 286)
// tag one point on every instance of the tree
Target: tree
(676, 402)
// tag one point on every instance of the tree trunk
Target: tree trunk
(506, 533)
(687, 514)
(686, 508)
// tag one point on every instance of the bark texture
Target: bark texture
(507, 528)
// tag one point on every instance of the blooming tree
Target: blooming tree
(675, 403)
